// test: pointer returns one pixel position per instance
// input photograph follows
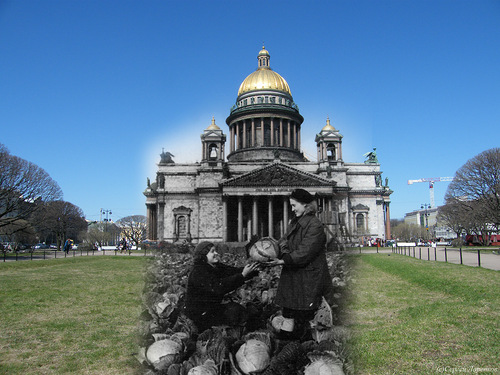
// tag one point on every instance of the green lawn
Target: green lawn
(75, 315)
(79, 315)
(416, 317)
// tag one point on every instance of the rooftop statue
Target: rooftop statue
(166, 157)
(371, 157)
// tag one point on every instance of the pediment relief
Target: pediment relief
(213, 133)
(278, 174)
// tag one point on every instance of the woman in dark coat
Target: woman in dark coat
(305, 278)
(208, 282)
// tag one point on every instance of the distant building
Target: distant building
(230, 198)
(429, 218)
(418, 217)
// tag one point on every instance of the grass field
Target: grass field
(416, 317)
(78, 316)
(75, 315)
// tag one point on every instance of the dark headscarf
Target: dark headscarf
(201, 251)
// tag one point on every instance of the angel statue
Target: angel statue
(166, 157)
(371, 157)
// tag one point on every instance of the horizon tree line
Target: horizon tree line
(32, 210)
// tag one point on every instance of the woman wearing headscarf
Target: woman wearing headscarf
(208, 283)
(305, 278)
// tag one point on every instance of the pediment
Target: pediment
(278, 175)
(213, 134)
(360, 207)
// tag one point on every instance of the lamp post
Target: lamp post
(425, 207)
(107, 213)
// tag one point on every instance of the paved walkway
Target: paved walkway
(469, 256)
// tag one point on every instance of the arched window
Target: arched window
(360, 221)
(330, 149)
(181, 226)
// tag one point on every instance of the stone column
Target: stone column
(161, 219)
(151, 221)
(240, 219)
(298, 137)
(255, 216)
(252, 142)
(387, 221)
(231, 137)
(270, 224)
(262, 131)
(237, 136)
(294, 135)
(289, 139)
(281, 132)
(272, 132)
(244, 133)
(224, 219)
(188, 227)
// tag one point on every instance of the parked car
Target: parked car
(41, 246)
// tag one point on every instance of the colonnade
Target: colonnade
(278, 132)
(255, 220)
(152, 221)
(260, 215)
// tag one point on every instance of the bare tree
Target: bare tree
(23, 185)
(133, 228)
(452, 214)
(97, 234)
(476, 189)
(408, 232)
(60, 219)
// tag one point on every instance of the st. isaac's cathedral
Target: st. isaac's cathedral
(231, 197)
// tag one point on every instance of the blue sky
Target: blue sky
(92, 91)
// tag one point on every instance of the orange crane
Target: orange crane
(431, 185)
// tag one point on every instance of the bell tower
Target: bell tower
(329, 144)
(213, 142)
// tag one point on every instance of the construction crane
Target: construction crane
(431, 185)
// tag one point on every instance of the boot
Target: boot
(303, 331)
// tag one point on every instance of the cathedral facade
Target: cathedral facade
(231, 197)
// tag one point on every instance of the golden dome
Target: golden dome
(213, 126)
(328, 126)
(263, 52)
(264, 78)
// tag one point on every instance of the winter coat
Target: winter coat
(304, 277)
(206, 288)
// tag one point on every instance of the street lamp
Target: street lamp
(107, 213)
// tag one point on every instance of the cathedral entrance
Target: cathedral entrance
(261, 215)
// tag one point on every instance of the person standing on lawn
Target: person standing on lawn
(305, 278)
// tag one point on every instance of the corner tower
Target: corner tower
(264, 124)
(212, 142)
